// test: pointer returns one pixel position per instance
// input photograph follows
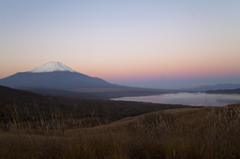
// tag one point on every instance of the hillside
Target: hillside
(81, 106)
(177, 133)
(11, 95)
(101, 93)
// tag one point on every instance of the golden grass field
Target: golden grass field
(206, 132)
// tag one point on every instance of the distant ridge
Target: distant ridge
(225, 91)
(214, 87)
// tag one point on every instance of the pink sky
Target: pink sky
(124, 41)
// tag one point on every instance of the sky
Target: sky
(142, 43)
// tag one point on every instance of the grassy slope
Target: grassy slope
(178, 133)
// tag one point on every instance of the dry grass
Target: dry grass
(208, 132)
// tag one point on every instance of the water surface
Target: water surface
(193, 99)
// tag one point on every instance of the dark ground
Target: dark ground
(78, 107)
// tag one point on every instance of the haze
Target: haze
(155, 44)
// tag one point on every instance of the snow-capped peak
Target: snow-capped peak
(52, 67)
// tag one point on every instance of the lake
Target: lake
(193, 99)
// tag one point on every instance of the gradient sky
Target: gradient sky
(151, 43)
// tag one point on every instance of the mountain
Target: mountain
(53, 75)
(214, 87)
(52, 67)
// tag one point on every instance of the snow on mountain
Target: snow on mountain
(52, 67)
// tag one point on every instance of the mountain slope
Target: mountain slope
(57, 80)
(53, 75)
